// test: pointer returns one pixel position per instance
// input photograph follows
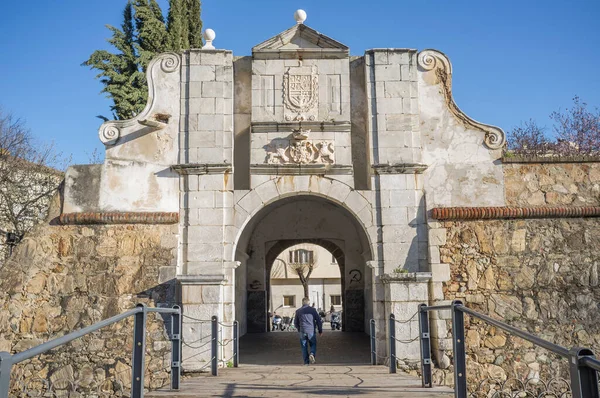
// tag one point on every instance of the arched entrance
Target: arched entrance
(302, 218)
(356, 314)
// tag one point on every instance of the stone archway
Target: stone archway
(247, 207)
(303, 217)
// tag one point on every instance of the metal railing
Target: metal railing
(393, 339)
(373, 342)
(583, 366)
(7, 361)
(215, 340)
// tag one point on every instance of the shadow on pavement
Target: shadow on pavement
(283, 348)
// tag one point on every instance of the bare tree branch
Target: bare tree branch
(577, 132)
(30, 174)
(303, 262)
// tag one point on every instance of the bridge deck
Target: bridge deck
(271, 366)
(302, 381)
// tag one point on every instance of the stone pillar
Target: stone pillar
(201, 298)
(440, 273)
(392, 91)
(395, 156)
(206, 195)
(379, 311)
(403, 294)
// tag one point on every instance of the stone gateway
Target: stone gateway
(235, 159)
(297, 143)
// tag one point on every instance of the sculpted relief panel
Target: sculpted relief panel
(300, 150)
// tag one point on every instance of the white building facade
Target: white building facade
(324, 285)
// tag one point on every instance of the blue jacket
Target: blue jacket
(305, 320)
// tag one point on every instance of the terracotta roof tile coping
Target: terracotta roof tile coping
(119, 218)
(485, 213)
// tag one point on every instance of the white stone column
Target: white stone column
(395, 156)
(206, 199)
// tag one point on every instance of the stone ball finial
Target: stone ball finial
(300, 16)
(209, 36)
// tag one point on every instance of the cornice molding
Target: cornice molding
(399, 168)
(300, 169)
(288, 127)
(202, 168)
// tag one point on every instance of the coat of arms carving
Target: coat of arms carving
(298, 149)
(301, 88)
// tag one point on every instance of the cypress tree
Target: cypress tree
(151, 30)
(177, 28)
(194, 23)
(156, 11)
(142, 36)
(120, 74)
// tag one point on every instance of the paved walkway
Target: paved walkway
(271, 366)
(283, 348)
(305, 381)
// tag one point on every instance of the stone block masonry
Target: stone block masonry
(392, 94)
(207, 107)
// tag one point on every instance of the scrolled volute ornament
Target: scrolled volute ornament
(169, 62)
(432, 59)
(494, 138)
(109, 134)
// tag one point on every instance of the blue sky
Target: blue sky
(512, 60)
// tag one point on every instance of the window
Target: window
(301, 256)
(289, 301)
(333, 260)
(336, 299)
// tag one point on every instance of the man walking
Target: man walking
(305, 320)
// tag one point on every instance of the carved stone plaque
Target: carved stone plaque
(301, 88)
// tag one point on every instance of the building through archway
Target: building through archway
(305, 269)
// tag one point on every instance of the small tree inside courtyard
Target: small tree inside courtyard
(302, 262)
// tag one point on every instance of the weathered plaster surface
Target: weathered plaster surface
(462, 169)
(135, 174)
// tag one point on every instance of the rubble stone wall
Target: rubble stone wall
(552, 184)
(540, 275)
(63, 278)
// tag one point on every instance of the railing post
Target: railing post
(139, 352)
(214, 335)
(236, 344)
(424, 336)
(5, 369)
(373, 343)
(458, 345)
(584, 380)
(175, 348)
(392, 344)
